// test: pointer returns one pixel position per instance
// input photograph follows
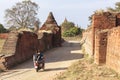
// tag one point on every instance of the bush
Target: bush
(72, 32)
(68, 34)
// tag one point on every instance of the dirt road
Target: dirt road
(57, 60)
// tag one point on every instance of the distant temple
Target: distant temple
(51, 25)
(62, 27)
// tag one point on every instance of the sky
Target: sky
(76, 11)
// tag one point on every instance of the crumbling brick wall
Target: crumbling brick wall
(102, 21)
(10, 43)
(26, 46)
(106, 47)
(106, 39)
(105, 20)
(18, 48)
(113, 49)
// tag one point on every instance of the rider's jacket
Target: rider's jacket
(38, 57)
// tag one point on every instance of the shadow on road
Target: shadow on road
(54, 69)
(68, 51)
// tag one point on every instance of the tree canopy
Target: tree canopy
(116, 9)
(2, 29)
(23, 14)
(69, 29)
(67, 25)
(72, 32)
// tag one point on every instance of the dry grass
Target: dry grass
(85, 69)
(1, 43)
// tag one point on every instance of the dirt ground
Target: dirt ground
(57, 61)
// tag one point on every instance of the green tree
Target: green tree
(116, 9)
(2, 29)
(69, 29)
(67, 25)
(72, 32)
(23, 14)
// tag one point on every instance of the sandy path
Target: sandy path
(57, 60)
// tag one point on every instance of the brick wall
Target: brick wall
(87, 40)
(10, 43)
(22, 46)
(100, 22)
(18, 48)
(106, 31)
(118, 20)
(3, 35)
(105, 39)
(45, 41)
(113, 49)
(26, 45)
(104, 21)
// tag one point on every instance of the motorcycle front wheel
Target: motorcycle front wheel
(37, 69)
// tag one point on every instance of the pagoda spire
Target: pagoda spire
(65, 20)
(50, 18)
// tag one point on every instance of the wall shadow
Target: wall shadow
(68, 51)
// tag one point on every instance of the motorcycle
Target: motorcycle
(38, 65)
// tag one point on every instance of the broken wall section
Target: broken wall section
(100, 46)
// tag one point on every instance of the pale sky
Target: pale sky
(76, 11)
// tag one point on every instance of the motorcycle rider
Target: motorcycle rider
(39, 58)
